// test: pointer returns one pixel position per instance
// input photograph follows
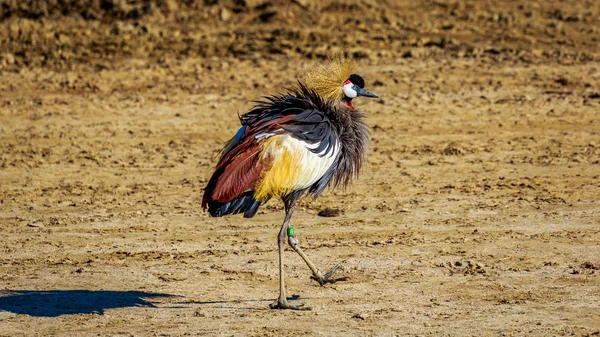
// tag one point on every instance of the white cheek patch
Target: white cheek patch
(349, 91)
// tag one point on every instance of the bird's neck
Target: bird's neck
(348, 102)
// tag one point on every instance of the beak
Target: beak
(362, 92)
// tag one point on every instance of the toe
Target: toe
(327, 277)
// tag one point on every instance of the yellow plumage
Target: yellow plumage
(292, 166)
(281, 177)
(328, 81)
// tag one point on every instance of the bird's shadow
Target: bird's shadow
(53, 303)
(228, 304)
(289, 298)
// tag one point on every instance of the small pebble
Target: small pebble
(329, 212)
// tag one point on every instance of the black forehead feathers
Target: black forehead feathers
(356, 79)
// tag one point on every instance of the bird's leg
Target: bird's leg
(281, 302)
(317, 276)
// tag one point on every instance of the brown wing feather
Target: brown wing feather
(239, 174)
(240, 167)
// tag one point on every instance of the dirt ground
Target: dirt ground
(478, 213)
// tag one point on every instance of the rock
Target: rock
(361, 316)
(7, 59)
(35, 224)
(302, 3)
(168, 6)
(225, 14)
(329, 212)
(267, 16)
(64, 39)
(418, 52)
(562, 81)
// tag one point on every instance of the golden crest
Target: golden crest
(328, 81)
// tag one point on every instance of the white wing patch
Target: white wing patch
(307, 167)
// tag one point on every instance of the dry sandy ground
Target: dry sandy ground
(478, 213)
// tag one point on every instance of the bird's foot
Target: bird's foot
(279, 304)
(322, 279)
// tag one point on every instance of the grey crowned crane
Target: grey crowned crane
(291, 145)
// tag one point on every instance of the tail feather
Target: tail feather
(251, 212)
(244, 204)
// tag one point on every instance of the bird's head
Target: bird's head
(336, 81)
(353, 87)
